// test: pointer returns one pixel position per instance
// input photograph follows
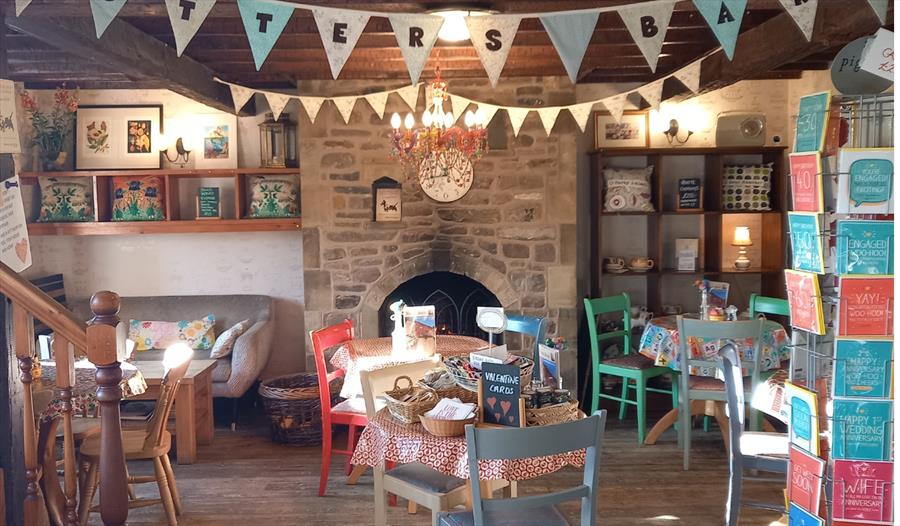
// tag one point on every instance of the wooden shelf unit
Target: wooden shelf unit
(770, 237)
(173, 223)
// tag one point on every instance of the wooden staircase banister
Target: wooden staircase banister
(43, 307)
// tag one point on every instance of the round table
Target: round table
(84, 391)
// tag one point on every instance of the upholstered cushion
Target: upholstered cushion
(198, 334)
(747, 187)
(542, 516)
(769, 444)
(630, 361)
(274, 197)
(139, 199)
(628, 190)
(356, 405)
(225, 342)
(69, 199)
(222, 371)
(424, 477)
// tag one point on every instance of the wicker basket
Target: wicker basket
(445, 428)
(292, 404)
(463, 379)
(407, 403)
(464, 395)
(552, 414)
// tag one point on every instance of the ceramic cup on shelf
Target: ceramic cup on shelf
(614, 262)
(641, 263)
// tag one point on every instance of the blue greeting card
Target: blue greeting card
(800, 517)
(861, 429)
(803, 424)
(812, 121)
(862, 368)
(865, 181)
(865, 247)
(806, 242)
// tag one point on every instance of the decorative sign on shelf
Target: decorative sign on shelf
(499, 394)
(209, 205)
(690, 194)
(812, 120)
(387, 201)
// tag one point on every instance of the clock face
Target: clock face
(446, 182)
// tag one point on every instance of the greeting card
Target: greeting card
(865, 181)
(805, 301)
(807, 193)
(863, 492)
(805, 473)
(803, 424)
(866, 307)
(806, 242)
(812, 121)
(865, 247)
(862, 368)
(798, 516)
(861, 429)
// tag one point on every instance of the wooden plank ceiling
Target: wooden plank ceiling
(221, 45)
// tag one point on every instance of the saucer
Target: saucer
(640, 269)
(616, 270)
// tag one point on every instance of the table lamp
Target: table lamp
(742, 241)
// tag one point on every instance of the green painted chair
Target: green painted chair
(766, 305)
(633, 368)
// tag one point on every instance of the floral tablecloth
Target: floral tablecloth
(386, 439)
(84, 392)
(660, 342)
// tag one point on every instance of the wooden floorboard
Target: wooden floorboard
(244, 479)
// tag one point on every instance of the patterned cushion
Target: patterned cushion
(63, 200)
(199, 334)
(747, 187)
(139, 199)
(225, 342)
(630, 361)
(628, 190)
(274, 197)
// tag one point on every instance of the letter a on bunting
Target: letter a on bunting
(648, 26)
(492, 38)
(571, 33)
(263, 23)
(415, 36)
(340, 30)
(186, 17)
(724, 18)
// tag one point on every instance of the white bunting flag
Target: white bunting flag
(240, 95)
(415, 36)
(378, 102)
(548, 117)
(277, 102)
(21, 5)
(312, 105)
(410, 95)
(571, 33)
(804, 14)
(516, 118)
(459, 106)
(186, 17)
(615, 105)
(340, 30)
(652, 93)
(690, 75)
(880, 8)
(489, 110)
(648, 25)
(104, 11)
(492, 38)
(344, 105)
(581, 113)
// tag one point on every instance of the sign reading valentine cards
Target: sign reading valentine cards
(805, 301)
(805, 473)
(866, 307)
(806, 183)
(500, 392)
(863, 491)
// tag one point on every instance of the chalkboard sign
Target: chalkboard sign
(690, 194)
(208, 204)
(500, 394)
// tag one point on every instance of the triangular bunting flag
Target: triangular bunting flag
(340, 30)
(459, 106)
(648, 25)
(652, 93)
(312, 105)
(492, 38)
(378, 102)
(548, 117)
(571, 33)
(690, 75)
(240, 95)
(277, 102)
(804, 14)
(186, 17)
(516, 118)
(489, 111)
(724, 18)
(410, 95)
(263, 23)
(581, 113)
(880, 8)
(345, 106)
(104, 11)
(615, 105)
(415, 36)
(21, 5)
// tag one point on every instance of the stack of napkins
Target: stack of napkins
(451, 409)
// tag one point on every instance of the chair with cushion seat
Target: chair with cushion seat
(631, 367)
(512, 443)
(757, 451)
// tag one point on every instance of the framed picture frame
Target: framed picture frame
(118, 137)
(631, 132)
(215, 141)
(387, 200)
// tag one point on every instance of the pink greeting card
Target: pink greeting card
(806, 183)
(863, 492)
(866, 307)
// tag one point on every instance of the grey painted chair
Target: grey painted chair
(534, 510)
(702, 388)
(534, 327)
(757, 451)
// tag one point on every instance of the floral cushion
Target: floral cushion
(139, 199)
(274, 197)
(198, 334)
(225, 342)
(747, 187)
(69, 199)
(628, 190)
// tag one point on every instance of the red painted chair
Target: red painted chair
(349, 412)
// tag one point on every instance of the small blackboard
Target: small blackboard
(690, 194)
(500, 394)
(208, 204)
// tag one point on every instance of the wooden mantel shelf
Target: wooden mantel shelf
(106, 228)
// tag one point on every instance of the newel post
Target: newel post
(103, 348)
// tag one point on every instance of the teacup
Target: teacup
(614, 262)
(671, 309)
(641, 262)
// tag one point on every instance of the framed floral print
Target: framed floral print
(118, 137)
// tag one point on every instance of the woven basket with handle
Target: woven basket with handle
(406, 404)
(552, 414)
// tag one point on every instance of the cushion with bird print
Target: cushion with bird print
(274, 197)
(139, 199)
(64, 200)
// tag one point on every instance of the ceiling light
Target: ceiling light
(455, 28)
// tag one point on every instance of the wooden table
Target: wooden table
(193, 405)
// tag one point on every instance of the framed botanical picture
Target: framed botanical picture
(118, 137)
(215, 143)
(630, 132)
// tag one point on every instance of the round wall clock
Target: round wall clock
(446, 182)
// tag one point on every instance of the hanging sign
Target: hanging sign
(849, 78)
(186, 17)
(340, 30)
(492, 38)
(571, 33)
(804, 14)
(9, 123)
(415, 36)
(724, 18)
(648, 25)
(263, 23)
(500, 394)
(878, 55)
(15, 249)
(104, 11)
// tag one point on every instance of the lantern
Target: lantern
(278, 143)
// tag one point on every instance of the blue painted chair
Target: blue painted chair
(533, 510)
(531, 326)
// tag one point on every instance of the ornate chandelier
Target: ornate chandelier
(438, 152)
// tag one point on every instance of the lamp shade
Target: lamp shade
(741, 237)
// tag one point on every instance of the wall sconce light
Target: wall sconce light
(182, 155)
(672, 133)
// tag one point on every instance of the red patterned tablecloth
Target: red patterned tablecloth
(386, 439)
(84, 392)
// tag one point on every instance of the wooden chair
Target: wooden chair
(533, 510)
(152, 443)
(631, 367)
(697, 390)
(767, 305)
(532, 326)
(415, 482)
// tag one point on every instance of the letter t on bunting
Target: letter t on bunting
(492, 38)
(263, 23)
(340, 30)
(724, 18)
(415, 36)
(571, 33)
(186, 17)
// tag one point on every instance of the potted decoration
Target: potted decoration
(52, 128)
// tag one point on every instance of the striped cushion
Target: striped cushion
(54, 287)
